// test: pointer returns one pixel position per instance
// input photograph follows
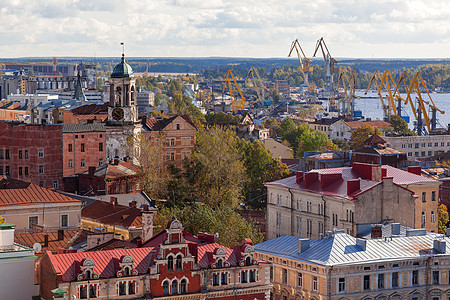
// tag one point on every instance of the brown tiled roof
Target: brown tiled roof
(159, 124)
(17, 192)
(374, 139)
(89, 109)
(111, 171)
(108, 213)
(70, 238)
(114, 244)
(75, 128)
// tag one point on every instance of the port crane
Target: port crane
(386, 81)
(304, 64)
(236, 103)
(329, 62)
(349, 86)
(256, 82)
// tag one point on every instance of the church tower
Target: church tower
(122, 95)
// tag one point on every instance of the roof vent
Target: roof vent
(395, 228)
(439, 246)
(303, 245)
(362, 244)
(416, 232)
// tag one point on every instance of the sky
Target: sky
(224, 28)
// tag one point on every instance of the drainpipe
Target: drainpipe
(329, 283)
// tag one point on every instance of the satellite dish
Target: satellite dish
(37, 247)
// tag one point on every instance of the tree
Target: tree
(148, 155)
(275, 95)
(443, 219)
(312, 140)
(260, 167)
(400, 127)
(222, 173)
(360, 134)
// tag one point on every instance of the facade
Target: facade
(343, 129)
(340, 267)
(419, 146)
(247, 130)
(323, 125)
(277, 149)
(94, 113)
(179, 134)
(171, 265)
(32, 153)
(28, 205)
(16, 267)
(311, 203)
(14, 112)
(145, 102)
(84, 145)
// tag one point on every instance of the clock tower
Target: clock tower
(122, 95)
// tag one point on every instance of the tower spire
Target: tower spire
(123, 50)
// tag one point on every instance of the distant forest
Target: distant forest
(436, 72)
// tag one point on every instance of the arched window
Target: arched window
(88, 275)
(118, 95)
(183, 285)
(170, 263)
(248, 261)
(126, 271)
(166, 288)
(219, 263)
(179, 263)
(174, 287)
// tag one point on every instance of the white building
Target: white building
(419, 146)
(32, 99)
(16, 267)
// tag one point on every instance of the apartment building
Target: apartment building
(343, 129)
(310, 203)
(419, 146)
(412, 266)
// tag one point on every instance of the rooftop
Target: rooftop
(113, 214)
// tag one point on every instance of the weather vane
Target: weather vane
(123, 48)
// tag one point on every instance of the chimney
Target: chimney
(415, 170)
(303, 245)
(327, 179)
(298, 177)
(416, 232)
(376, 232)
(309, 178)
(207, 237)
(91, 171)
(113, 201)
(132, 203)
(147, 224)
(361, 243)
(126, 158)
(353, 185)
(116, 160)
(46, 240)
(138, 243)
(395, 228)
(383, 173)
(439, 246)
(7, 236)
(60, 234)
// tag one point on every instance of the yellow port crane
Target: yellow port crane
(384, 80)
(329, 61)
(236, 104)
(304, 63)
(348, 84)
(256, 82)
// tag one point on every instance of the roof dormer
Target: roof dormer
(87, 270)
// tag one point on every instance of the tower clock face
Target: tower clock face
(117, 114)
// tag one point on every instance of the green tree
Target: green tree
(275, 95)
(443, 219)
(223, 174)
(260, 167)
(400, 127)
(360, 134)
(312, 140)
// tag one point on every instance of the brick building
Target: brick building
(171, 265)
(179, 133)
(81, 114)
(32, 153)
(84, 145)
(14, 112)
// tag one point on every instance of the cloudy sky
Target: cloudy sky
(232, 28)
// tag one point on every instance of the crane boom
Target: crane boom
(236, 104)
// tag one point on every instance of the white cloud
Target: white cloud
(250, 28)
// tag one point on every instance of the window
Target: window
(26, 171)
(183, 286)
(284, 275)
(64, 220)
(167, 142)
(179, 263)
(172, 156)
(300, 279)
(167, 156)
(82, 147)
(315, 284)
(278, 220)
(7, 170)
(100, 161)
(423, 144)
(178, 126)
(409, 145)
(170, 263)
(131, 288)
(83, 163)
(20, 171)
(248, 261)
(26, 154)
(41, 183)
(433, 196)
(31, 221)
(55, 185)
(341, 287)
(1, 154)
(83, 292)
(395, 279)
(224, 279)
(380, 281)
(41, 153)
(436, 277)
(366, 283)
(174, 287)
(219, 263)
(215, 279)
(320, 225)
(100, 146)
(423, 219)
(436, 144)
(130, 187)
(70, 148)
(20, 154)
(6, 154)
(1, 170)
(70, 163)
(271, 274)
(308, 227)
(299, 224)
(424, 195)
(252, 276)
(122, 289)
(415, 277)
(423, 153)
(41, 169)
(243, 276)
(299, 204)
(172, 142)
(166, 288)
(416, 145)
(432, 217)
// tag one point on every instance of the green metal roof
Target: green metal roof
(7, 226)
(122, 69)
(59, 291)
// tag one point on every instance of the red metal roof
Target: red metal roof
(108, 213)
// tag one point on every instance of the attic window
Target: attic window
(178, 126)
(395, 265)
(366, 268)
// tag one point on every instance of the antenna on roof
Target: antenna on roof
(123, 48)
